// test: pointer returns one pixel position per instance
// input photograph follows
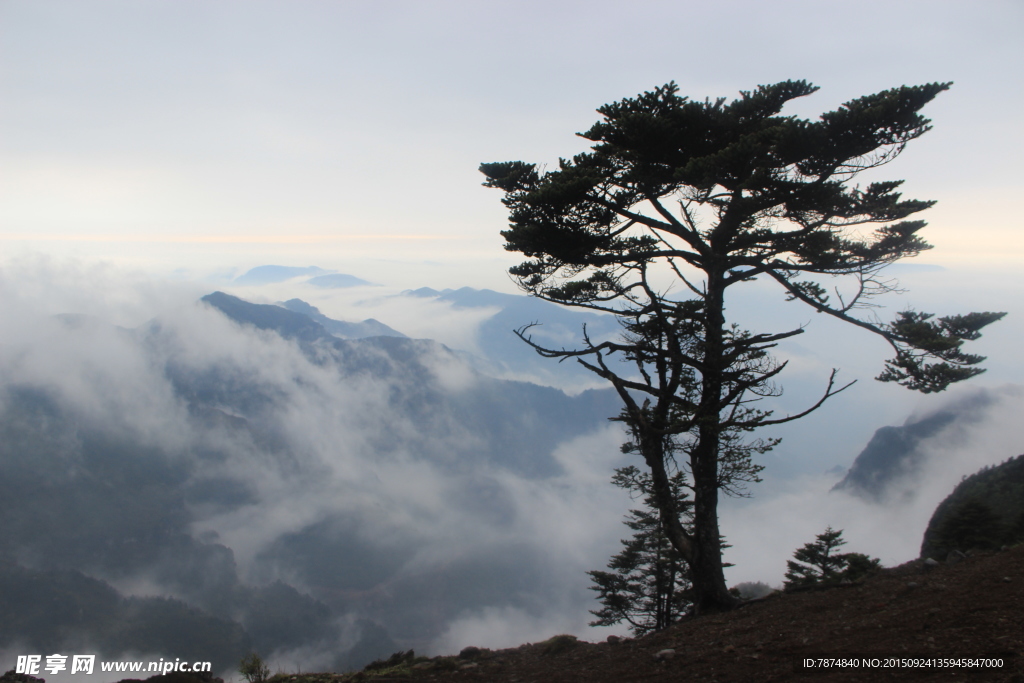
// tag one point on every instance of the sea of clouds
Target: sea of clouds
(442, 549)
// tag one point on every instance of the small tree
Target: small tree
(817, 563)
(678, 204)
(253, 668)
(648, 585)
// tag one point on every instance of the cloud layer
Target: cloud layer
(338, 500)
(383, 480)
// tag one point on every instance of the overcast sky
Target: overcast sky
(209, 136)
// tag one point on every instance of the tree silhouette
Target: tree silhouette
(817, 563)
(971, 525)
(678, 203)
(648, 585)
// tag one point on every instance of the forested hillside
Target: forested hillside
(986, 510)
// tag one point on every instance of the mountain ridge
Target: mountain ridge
(339, 328)
(892, 455)
(366, 448)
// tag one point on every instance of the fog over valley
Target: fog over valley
(182, 461)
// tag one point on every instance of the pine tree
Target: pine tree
(1015, 531)
(681, 203)
(817, 563)
(648, 585)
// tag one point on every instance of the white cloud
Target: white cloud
(766, 530)
(345, 453)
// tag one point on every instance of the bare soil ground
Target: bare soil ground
(968, 611)
(971, 609)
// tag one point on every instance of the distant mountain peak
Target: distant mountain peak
(337, 281)
(264, 275)
(892, 452)
(421, 292)
(318, 277)
(288, 324)
(469, 297)
(339, 328)
(296, 319)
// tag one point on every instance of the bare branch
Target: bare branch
(829, 393)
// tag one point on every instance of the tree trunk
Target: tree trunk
(709, 589)
(703, 549)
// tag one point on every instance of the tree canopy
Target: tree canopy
(676, 203)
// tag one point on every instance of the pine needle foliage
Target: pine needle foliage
(817, 563)
(676, 207)
(648, 584)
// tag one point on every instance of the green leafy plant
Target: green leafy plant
(253, 668)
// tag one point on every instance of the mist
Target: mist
(785, 514)
(329, 502)
(186, 456)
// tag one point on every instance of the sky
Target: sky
(151, 152)
(202, 137)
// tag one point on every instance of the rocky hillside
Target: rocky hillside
(972, 608)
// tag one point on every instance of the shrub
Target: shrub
(751, 590)
(253, 669)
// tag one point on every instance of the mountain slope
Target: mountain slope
(287, 323)
(339, 328)
(519, 421)
(974, 609)
(986, 509)
(893, 455)
(282, 485)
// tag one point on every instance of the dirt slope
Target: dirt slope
(974, 608)
(971, 609)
